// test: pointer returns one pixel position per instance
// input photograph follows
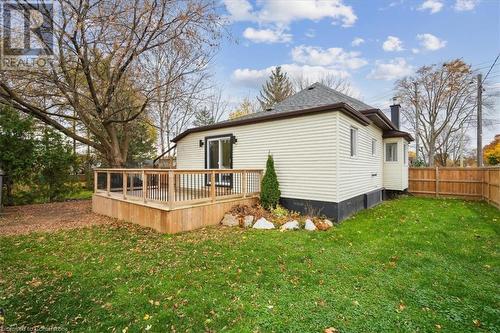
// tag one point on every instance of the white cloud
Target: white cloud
(267, 35)
(392, 70)
(285, 12)
(357, 41)
(239, 10)
(433, 6)
(334, 57)
(431, 42)
(255, 77)
(465, 5)
(392, 44)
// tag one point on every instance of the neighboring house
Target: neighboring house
(333, 154)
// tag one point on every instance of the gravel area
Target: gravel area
(49, 217)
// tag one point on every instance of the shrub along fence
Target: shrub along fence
(467, 183)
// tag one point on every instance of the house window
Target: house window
(405, 153)
(354, 141)
(374, 147)
(391, 152)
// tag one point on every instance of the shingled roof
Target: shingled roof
(315, 98)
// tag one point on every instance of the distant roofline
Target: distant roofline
(342, 107)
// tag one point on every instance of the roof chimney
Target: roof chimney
(395, 109)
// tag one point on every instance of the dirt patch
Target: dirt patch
(49, 217)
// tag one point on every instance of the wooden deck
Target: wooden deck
(172, 201)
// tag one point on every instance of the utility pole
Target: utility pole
(417, 125)
(479, 120)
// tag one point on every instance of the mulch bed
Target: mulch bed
(48, 217)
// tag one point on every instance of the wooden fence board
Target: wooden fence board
(468, 183)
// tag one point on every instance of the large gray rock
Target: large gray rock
(290, 225)
(310, 226)
(262, 223)
(248, 221)
(230, 220)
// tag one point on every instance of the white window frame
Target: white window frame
(374, 147)
(353, 146)
(385, 152)
(219, 157)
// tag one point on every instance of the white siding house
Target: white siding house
(329, 150)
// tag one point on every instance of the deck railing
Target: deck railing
(177, 187)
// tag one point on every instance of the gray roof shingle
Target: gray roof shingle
(315, 95)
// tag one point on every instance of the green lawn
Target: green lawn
(409, 265)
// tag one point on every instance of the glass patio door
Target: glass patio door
(219, 157)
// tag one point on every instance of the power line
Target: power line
(490, 68)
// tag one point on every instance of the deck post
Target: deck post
(108, 183)
(144, 186)
(244, 183)
(212, 186)
(124, 182)
(171, 188)
(95, 180)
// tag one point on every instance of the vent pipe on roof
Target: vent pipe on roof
(395, 110)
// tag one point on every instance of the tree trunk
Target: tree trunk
(432, 147)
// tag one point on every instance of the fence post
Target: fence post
(95, 180)
(108, 183)
(124, 182)
(212, 186)
(171, 188)
(244, 183)
(144, 186)
(437, 182)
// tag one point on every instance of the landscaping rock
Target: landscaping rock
(324, 225)
(310, 226)
(248, 221)
(262, 223)
(291, 225)
(230, 220)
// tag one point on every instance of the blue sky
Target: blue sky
(371, 43)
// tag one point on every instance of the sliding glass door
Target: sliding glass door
(219, 157)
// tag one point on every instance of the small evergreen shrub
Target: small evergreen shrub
(269, 190)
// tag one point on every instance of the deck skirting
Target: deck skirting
(162, 219)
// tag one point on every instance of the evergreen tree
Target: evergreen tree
(269, 191)
(276, 89)
(203, 118)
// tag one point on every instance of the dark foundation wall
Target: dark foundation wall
(337, 211)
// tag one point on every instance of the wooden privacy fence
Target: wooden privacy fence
(176, 187)
(469, 183)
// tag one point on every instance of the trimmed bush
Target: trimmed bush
(269, 190)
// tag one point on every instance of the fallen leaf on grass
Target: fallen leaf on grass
(401, 307)
(331, 330)
(477, 323)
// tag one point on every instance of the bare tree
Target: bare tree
(340, 84)
(446, 101)
(96, 78)
(213, 107)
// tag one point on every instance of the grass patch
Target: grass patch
(408, 265)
